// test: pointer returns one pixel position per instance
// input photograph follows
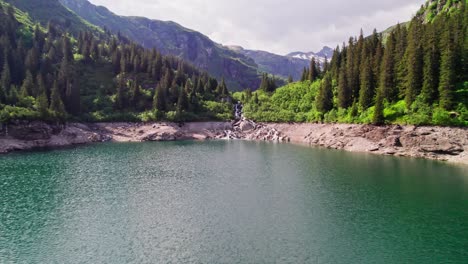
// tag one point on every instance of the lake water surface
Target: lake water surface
(229, 202)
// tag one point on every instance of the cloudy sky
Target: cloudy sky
(279, 26)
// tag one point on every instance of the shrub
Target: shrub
(8, 113)
(420, 113)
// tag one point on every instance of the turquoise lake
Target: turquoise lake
(229, 202)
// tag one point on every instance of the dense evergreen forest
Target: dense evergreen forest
(49, 74)
(415, 74)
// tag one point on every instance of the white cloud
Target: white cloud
(279, 26)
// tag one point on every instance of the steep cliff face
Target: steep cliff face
(171, 38)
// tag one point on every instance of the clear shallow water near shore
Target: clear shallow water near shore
(229, 202)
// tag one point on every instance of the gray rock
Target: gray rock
(30, 131)
(246, 126)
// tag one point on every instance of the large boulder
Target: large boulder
(246, 125)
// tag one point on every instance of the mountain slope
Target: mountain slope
(416, 75)
(284, 66)
(53, 11)
(278, 65)
(171, 38)
(432, 8)
(52, 74)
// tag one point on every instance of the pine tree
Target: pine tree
(313, 70)
(326, 66)
(447, 76)
(41, 88)
(352, 76)
(256, 101)
(135, 94)
(188, 87)
(51, 31)
(64, 75)
(39, 38)
(359, 54)
(13, 96)
(264, 83)
(222, 89)
(387, 75)
(28, 85)
(5, 80)
(378, 118)
(182, 101)
(168, 78)
(200, 87)
(72, 96)
(414, 64)
(324, 98)
(32, 61)
(335, 62)
(377, 61)
(344, 93)
(431, 67)
(2, 95)
(159, 100)
(366, 92)
(401, 35)
(42, 105)
(86, 52)
(272, 84)
(157, 68)
(56, 104)
(121, 97)
(304, 75)
(67, 49)
(94, 50)
(136, 64)
(123, 65)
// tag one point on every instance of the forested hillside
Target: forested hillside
(171, 38)
(416, 75)
(50, 73)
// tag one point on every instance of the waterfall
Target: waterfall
(238, 110)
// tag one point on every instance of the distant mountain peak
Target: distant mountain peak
(325, 52)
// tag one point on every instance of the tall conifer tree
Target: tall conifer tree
(414, 63)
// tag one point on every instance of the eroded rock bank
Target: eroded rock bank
(441, 143)
(33, 135)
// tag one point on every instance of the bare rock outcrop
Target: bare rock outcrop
(441, 143)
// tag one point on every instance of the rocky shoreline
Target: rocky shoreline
(439, 143)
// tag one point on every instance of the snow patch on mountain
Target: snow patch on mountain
(325, 52)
